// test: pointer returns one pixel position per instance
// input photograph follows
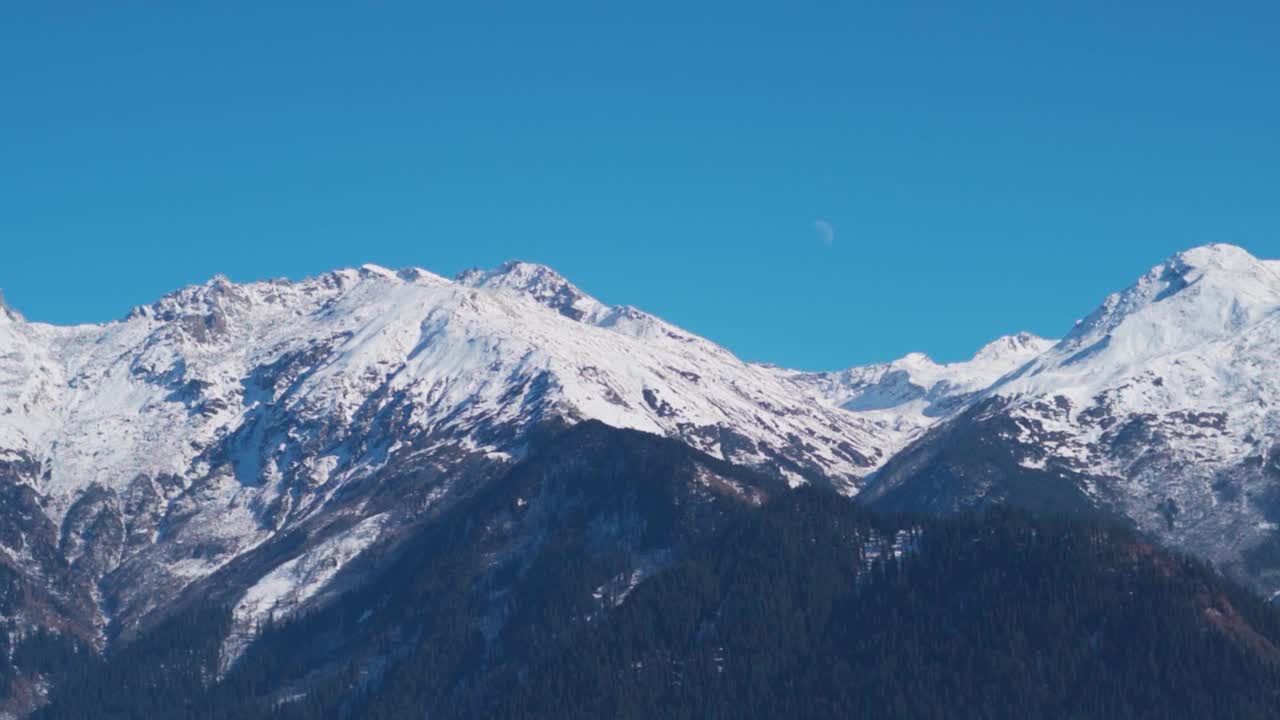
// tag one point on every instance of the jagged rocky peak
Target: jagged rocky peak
(549, 288)
(514, 274)
(217, 293)
(221, 296)
(203, 311)
(539, 282)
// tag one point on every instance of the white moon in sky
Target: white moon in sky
(825, 231)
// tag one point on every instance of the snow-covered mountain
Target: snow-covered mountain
(249, 442)
(1163, 406)
(913, 392)
(189, 438)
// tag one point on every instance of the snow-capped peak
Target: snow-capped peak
(1195, 310)
(517, 274)
(506, 347)
(1198, 295)
(1182, 354)
(1162, 405)
(227, 414)
(915, 359)
(1220, 256)
(1018, 348)
(370, 269)
(911, 393)
(544, 285)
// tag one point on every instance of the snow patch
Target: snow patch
(292, 583)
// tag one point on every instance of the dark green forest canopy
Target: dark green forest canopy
(809, 608)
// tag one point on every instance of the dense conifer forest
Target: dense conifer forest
(809, 607)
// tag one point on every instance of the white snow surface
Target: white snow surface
(278, 593)
(1199, 333)
(1166, 402)
(910, 394)
(101, 403)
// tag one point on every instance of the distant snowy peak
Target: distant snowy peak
(1162, 406)
(914, 390)
(1011, 351)
(1194, 315)
(992, 361)
(1212, 291)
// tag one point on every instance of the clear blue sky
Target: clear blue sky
(982, 169)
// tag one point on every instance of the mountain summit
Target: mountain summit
(1202, 296)
(239, 430)
(259, 446)
(539, 282)
(1161, 406)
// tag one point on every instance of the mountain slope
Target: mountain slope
(812, 610)
(260, 436)
(1162, 406)
(455, 610)
(263, 448)
(807, 606)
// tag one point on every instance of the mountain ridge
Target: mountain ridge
(1158, 407)
(267, 433)
(262, 437)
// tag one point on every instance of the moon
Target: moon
(825, 231)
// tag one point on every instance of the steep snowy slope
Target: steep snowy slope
(191, 437)
(1163, 405)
